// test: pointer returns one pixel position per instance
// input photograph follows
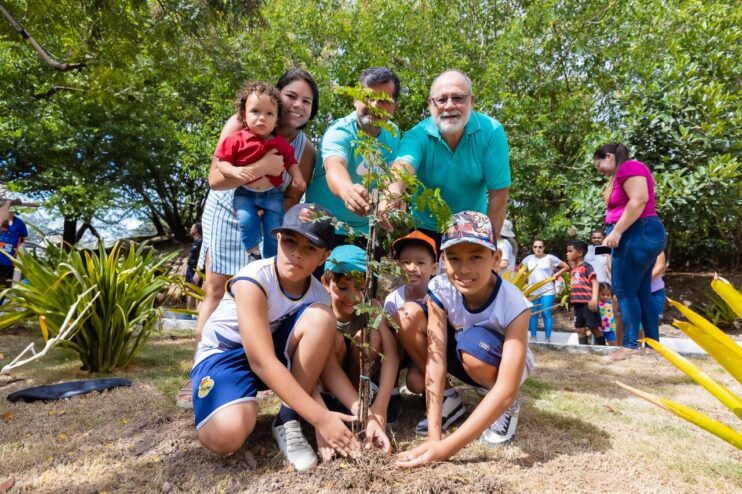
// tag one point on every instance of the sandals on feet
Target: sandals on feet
(622, 354)
(184, 398)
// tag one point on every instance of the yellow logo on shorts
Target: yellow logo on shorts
(206, 384)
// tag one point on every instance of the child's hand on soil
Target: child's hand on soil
(375, 435)
(331, 426)
(429, 452)
(324, 449)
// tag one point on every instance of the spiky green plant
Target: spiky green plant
(111, 333)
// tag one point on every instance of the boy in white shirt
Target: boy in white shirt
(274, 329)
(417, 257)
(477, 331)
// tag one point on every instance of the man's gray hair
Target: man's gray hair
(449, 71)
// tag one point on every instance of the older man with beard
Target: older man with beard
(460, 151)
(338, 178)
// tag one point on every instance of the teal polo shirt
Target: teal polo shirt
(481, 162)
(339, 140)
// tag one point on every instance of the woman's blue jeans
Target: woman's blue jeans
(631, 277)
(541, 307)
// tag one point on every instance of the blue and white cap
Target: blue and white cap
(472, 227)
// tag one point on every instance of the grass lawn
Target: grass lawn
(578, 432)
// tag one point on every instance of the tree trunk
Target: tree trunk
(69, 234)
(364, 383)
(85, 227)
(158, 224)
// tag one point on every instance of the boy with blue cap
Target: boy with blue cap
(477, 331)
(345, 271)
(274, 329)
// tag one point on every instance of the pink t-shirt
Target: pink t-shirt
(618, 200)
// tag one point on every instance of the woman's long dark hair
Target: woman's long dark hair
(620, 153)
(296, 74)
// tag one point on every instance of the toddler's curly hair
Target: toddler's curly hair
(258, 88)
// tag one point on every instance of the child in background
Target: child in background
(191, 276)
(345, 271)
(417, 257)
(607, 317)
(258, 108)
(274, 329)
(506, 244)
(477, 331)
(583, 293)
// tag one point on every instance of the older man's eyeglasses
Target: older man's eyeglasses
(456, 99)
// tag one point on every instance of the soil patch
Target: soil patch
(577, 429)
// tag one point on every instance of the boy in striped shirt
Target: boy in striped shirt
(583, 293)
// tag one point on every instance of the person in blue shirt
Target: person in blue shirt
(13, 232)
(338, 176)
(462, 152)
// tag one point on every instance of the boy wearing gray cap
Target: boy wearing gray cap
(477, 331)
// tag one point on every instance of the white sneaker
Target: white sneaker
(502, 430)
(294, 445)
(453, 409)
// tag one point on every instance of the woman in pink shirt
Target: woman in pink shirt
(637, 237)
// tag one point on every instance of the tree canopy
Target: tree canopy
(133, 123)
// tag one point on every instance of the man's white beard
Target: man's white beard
(449, 127)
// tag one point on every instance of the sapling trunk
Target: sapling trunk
(364, 383)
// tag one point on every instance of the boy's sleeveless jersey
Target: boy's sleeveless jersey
(506, 303)
(222, 332)
(396, 299)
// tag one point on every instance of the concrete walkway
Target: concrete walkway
(567, 341)
(560, 340)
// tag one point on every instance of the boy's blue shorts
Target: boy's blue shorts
(483, 344)
(225, 378)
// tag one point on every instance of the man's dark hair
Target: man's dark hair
(579, 246)
(379, 75)
(597, 230)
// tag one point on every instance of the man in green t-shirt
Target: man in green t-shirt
(460, 151)
(338, 176)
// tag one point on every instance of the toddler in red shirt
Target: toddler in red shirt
(258, 108)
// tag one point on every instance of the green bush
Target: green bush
(127, 279)
(717, 311)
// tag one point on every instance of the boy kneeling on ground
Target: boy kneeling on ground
(477, 331)
(345, 272)
(274, 329)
